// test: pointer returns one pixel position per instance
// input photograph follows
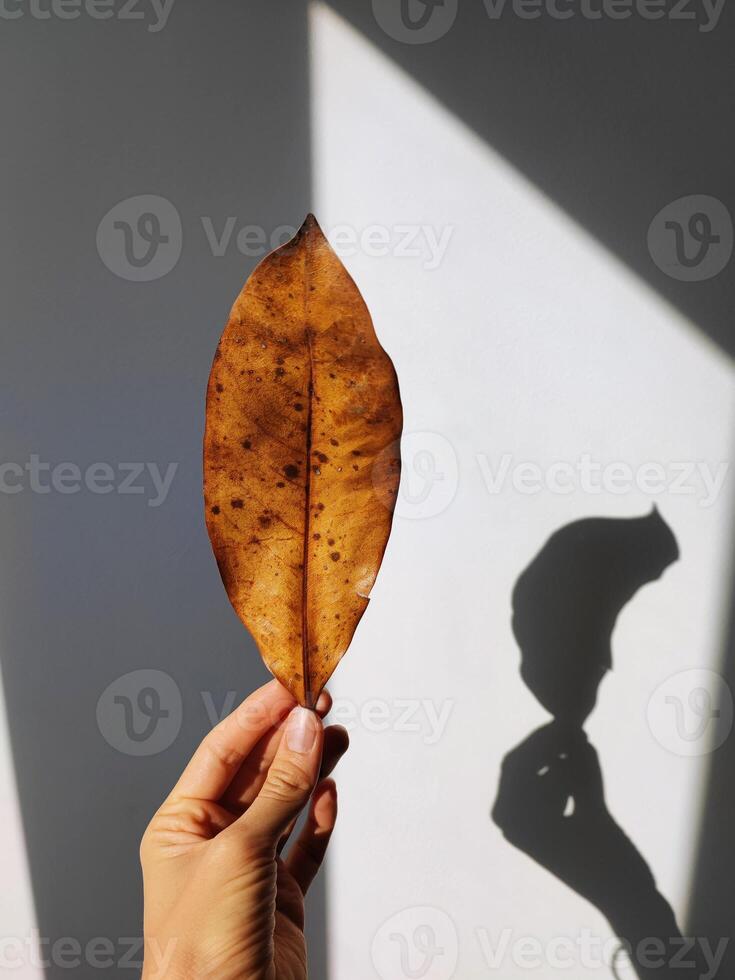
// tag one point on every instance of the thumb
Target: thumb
(291, 779)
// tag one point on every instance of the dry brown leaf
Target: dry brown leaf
(301, 459)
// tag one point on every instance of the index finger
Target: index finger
(220, 755)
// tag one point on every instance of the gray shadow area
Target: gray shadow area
(210, 112)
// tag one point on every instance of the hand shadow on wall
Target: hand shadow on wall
(551, 802)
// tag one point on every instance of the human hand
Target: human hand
(219, 899)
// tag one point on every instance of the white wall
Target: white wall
(528, 339)
(19, 955)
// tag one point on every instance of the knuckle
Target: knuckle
(287, 782)
(177, 821)
(241, 851)
(220, 750)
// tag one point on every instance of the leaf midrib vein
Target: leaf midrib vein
(305, 666)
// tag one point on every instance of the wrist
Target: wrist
(650, 915)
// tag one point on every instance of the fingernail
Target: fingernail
(301, 730)
(322, 701)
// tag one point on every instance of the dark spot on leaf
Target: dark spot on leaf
(215, 509)
(330, 542)
(334, 556)
(316, 536)
(356, 452)
(264, 520)
(220, 387)
(355, 466)
(280, 484)
(298, 406)
(334, 442)
(246, 444)
(322, 457)
(291, 471)
(320, 506)
(236, 503)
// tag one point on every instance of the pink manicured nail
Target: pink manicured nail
(301, 730)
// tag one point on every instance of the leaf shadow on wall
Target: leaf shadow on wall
(551, 802)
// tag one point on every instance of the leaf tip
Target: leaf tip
(309, 225)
